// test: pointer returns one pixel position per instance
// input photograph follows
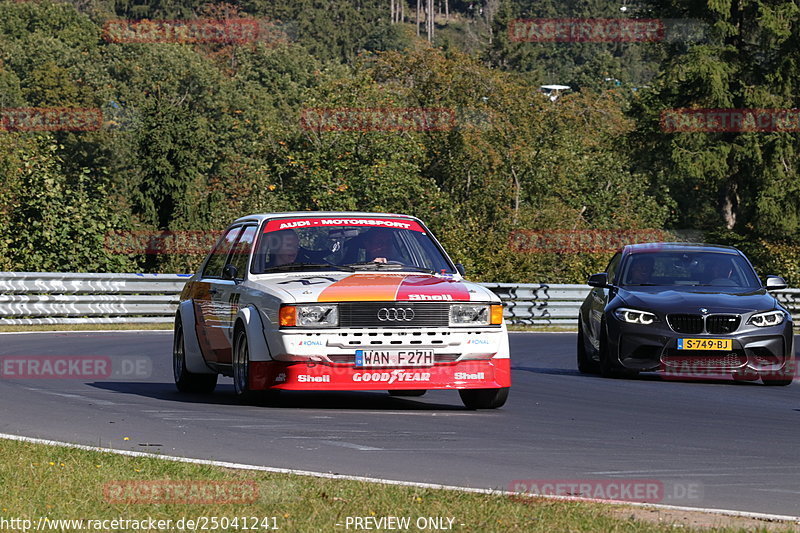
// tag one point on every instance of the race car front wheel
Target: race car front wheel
(484, 398)
(241, 365)
(241, 372)
(186, 381)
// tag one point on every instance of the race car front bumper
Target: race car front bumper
(471, 374)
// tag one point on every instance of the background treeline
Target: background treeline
(195, 135)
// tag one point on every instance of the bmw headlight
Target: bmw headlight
(634, 316)
(469, 315)
(309, 316)
(765, 320)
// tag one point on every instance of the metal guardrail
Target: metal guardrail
(56, 298)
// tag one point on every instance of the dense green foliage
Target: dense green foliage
(195, 135)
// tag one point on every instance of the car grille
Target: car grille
(704, 359)
(365, 314)
(714, 324)
(686, 323)
(718, 324)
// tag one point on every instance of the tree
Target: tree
(744, 181)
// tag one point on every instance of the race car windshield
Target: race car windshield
(321, 244)
(696, 269)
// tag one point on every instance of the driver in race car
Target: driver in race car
(378, 246)
(284, 247)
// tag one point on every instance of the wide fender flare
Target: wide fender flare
(195, 363)
(251, 318)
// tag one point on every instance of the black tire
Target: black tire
(419, 392)
(240, 365)
(608, 367)
(186, 381)
(586, 365)
(484, 398)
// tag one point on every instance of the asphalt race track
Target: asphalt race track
(710, 444)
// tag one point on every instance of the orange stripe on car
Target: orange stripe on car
(363, 288)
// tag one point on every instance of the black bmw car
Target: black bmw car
(690, 310)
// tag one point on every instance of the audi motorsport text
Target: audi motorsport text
(339, 301)
(688, 310)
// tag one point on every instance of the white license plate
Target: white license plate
(394, 358)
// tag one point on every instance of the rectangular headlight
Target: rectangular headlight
(469, 315)
(317, 316)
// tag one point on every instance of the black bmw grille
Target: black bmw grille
(405, 314)
(714, 324)
(686, 323)
(718, 324)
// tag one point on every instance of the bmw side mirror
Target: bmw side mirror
(230, 272)
(775, 283)
(460, 268)
(598, 280)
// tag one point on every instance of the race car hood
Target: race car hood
(370, 286)
(690, 300)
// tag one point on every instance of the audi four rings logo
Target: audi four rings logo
(395, 314)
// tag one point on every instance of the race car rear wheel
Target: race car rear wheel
(186, 381)
(484, 398)
(415, 392)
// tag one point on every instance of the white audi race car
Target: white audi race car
(339, 302)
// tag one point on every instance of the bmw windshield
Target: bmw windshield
(693, 269)
(350, 244)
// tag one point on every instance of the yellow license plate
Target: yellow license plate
(705, 344)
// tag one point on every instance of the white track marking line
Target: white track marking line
(330, 475)
(73, 396)
(681, 470)
(90, 331)
(360, 447)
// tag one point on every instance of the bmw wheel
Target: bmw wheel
(586, 365)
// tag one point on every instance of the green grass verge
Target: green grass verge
(84, 327)
(65, 483)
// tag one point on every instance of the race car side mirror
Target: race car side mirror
(775, 283)
(460, 268)
(598, 280)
